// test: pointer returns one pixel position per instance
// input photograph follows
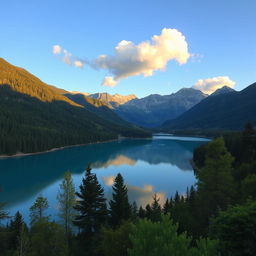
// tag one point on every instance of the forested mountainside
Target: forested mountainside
(225, 111)
(35, 116)
(96, 106)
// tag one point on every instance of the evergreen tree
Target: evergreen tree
(215, 181)
(155, 209)
(38, 209)
(120, 209)
(16, 227)
(91, 205)
(67, 201)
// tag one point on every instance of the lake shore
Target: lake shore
(20, 154)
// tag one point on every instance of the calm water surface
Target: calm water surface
(161, 165)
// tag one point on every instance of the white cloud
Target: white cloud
(131, 59)
(56, 49)
(67, 57)
(109, 81)
(210, 85)
(78, 63)
(145, 58)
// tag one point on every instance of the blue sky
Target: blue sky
(221, 33)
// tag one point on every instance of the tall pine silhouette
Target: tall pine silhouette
(91, 205)
(120, 209)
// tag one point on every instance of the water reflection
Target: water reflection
(148, 166)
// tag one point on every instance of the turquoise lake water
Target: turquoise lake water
(159, 165)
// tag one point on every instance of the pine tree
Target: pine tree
(120, 209)
(38, 209)
(155, 209)
(67, 201)
(91, 206)
(16, 226)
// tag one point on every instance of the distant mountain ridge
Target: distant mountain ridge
(153, 110)
(223, 111)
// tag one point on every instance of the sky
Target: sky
(132, 47)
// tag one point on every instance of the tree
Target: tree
(91, 205)
(47, 238)
(249, 186)
(3, 213)
(120, 209)
(161, 238)
(116, 242)
(215, 181)
(67, 201)
(235, 229)
(38, 209)
(16, 226)
(92, 212)
(155, 214)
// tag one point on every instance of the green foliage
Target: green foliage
(120, 209)
(215, 181)
(91, 205)
(249, 186)
(236, 230)
(37, 210)
(67, 200)
(161, 239)
(115, 242)
(47, 238)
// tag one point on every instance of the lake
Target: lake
(159, 165)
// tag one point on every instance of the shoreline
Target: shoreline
(20, 154)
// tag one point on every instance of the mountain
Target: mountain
(112, 100)
(224, 89)
(224, 111)
(35, 116)
(98, 107)
(155, 109)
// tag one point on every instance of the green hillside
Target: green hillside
(35, 116)
(229, 111)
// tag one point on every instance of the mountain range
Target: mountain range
(223, 110)
(35, 116)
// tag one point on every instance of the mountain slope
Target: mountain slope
(35, 116)
(155, 109)
(230, 111)
(100, 108)
(112, 100)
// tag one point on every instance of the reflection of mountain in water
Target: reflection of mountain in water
(23, 177)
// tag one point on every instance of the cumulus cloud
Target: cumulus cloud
(210, 85)
(131, 59)
(78, 63)
(56, 49)
(145, 58)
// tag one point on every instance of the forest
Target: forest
(217, 216)
(36, 116)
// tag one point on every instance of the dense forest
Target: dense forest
(215, 217)
(35, 116)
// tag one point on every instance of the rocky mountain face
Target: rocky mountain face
(113, 101)
(155, 109)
